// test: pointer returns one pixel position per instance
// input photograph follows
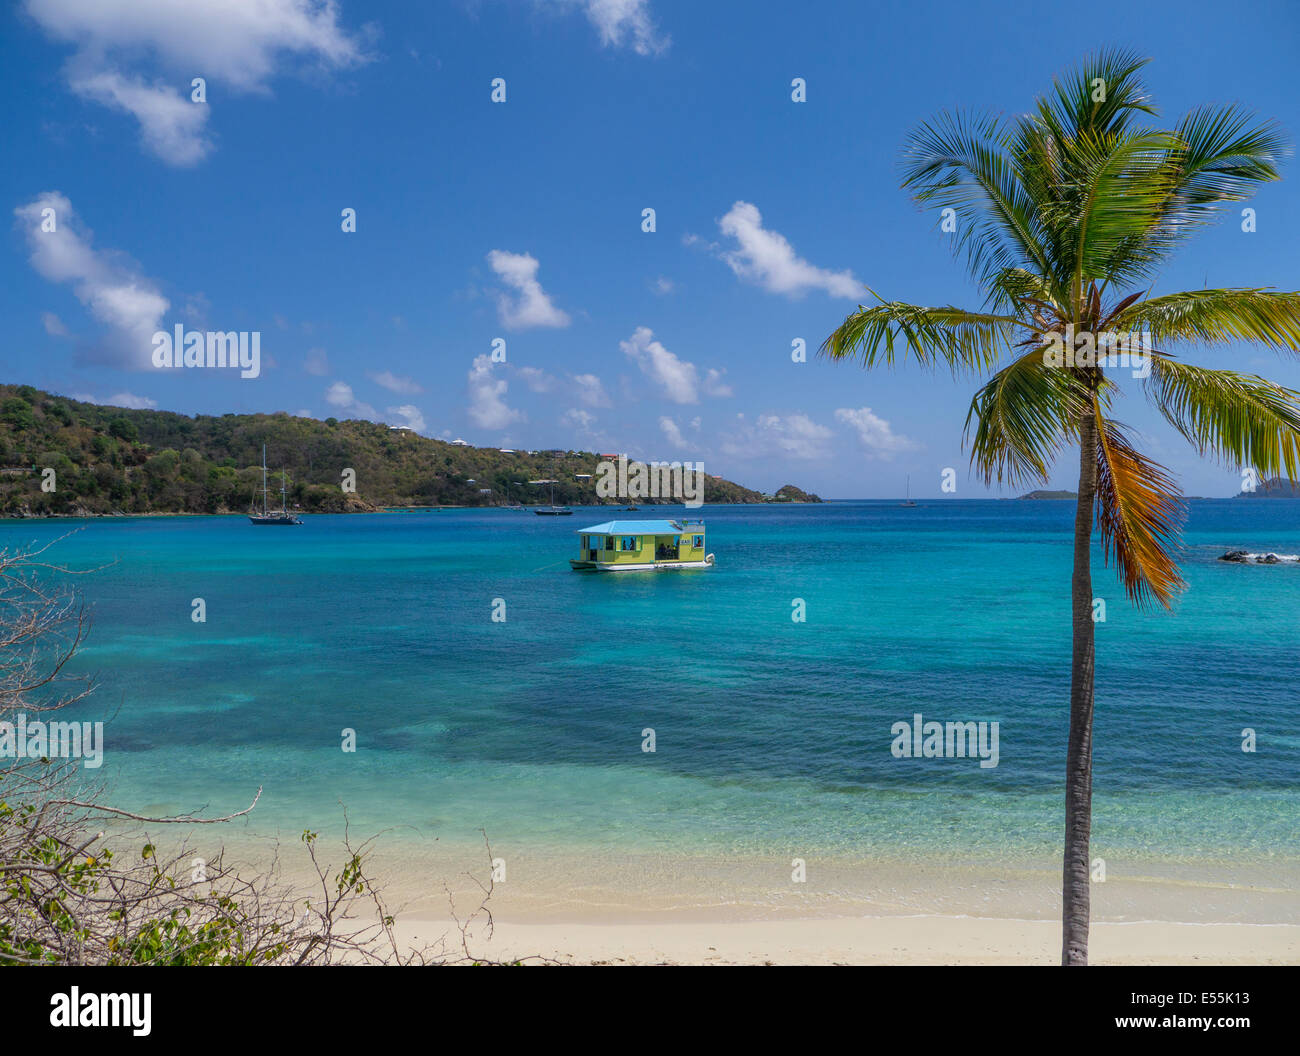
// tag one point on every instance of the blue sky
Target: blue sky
(522, 220)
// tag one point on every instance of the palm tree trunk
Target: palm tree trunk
(1075, 894)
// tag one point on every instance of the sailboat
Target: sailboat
(907, 493)
(552, 510)
(280, 516)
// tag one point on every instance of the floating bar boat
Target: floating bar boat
(642, 546)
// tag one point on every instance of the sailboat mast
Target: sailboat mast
(263, 480)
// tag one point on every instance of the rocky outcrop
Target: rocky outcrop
(1244, 557)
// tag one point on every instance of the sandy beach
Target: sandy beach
(867, 941)
(652, 909)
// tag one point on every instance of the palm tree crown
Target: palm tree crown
(1065, 216)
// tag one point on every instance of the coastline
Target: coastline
(863, 941)
(574, 908)
(577, 907)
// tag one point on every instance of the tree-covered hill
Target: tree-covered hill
(111, 459)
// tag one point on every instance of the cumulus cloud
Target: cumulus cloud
(590, 390)
(578, 419)
(672, 433)
(341, 396)
(53, 325)
(714, 385)
(487, 405)
(237, 45)
(171, 126)
(537, 379)
(109, 284)
(679, 379)
(793, 435)
(532, 307)
(397, 383)
(407, 415)
(765, 257)
(128, 400)
(620, 23)
(876, 434)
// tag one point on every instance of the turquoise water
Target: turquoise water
(770, 734)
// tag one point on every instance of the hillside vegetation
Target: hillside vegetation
(114, 460)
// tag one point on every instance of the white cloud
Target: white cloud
(397, 383)
(532, 307)
(766, 258)
(109, 284)
(53, 325)
(316, 362)
(876, 434)
(122, 399)
(407, 415)
(340, 395)
(578, 419)
(672, 433)
(620, 22)
(240, 45)
(591, 391)
(537, 379)
(678, 378)
(131, 400)
(794, 435)
(171, 126)
(714, 385)
(487, 405)
(663, 285)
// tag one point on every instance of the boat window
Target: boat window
(697, 541)
(609, 542)
(630, 542)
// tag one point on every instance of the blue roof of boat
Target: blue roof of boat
(639, 528)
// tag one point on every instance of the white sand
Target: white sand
(871, 940)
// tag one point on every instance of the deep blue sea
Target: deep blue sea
(769, 733)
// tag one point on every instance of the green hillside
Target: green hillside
(113, 460)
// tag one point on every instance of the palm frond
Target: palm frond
(889, 331)
(1139, 514)
(1264, 316)
(959, 161)
(1021, 416)
(1223, 154)
(1243, 419)
(1079, 107)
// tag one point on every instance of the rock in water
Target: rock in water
(1240, 556)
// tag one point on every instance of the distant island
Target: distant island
(1051, 495)
(114, 460)
(1273, 488)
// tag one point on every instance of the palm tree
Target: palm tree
(1065, 216)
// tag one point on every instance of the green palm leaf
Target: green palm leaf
(1242, 418)
(889, 331)
(1264, 316)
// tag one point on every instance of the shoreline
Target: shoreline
(920, 940)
